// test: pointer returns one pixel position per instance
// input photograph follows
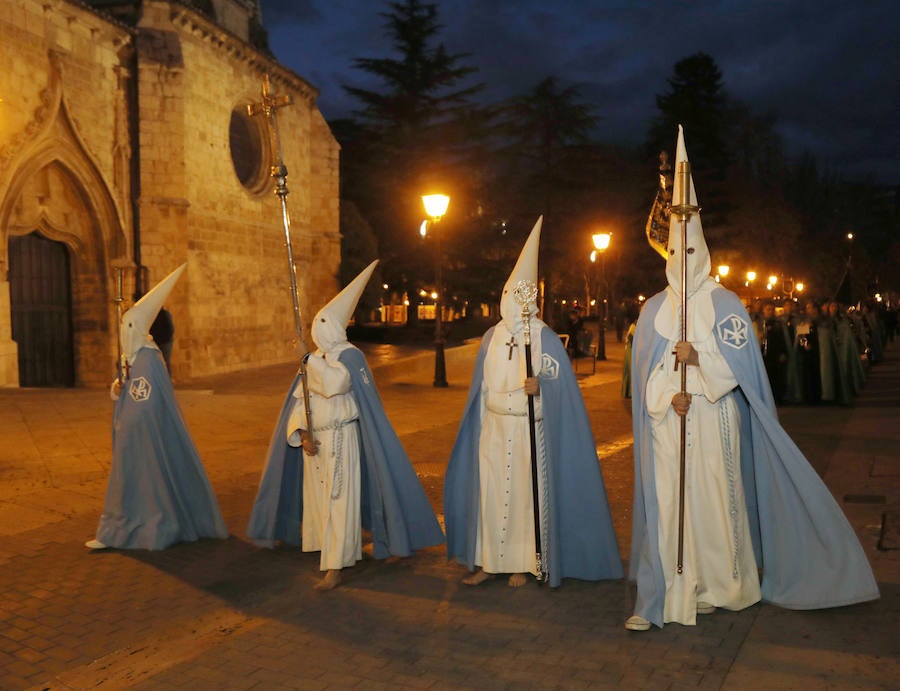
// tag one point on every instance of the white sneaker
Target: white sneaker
(705, 608)
(94, 544)
(636, 623)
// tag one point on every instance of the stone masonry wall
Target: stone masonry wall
(235, 307)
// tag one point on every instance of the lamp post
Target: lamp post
(436, 207)
(601, 244)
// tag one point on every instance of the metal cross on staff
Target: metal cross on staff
(268, 107)
(525, 293)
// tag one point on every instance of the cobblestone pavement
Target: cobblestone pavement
(227, 615)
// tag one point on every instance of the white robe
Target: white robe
(505, 537)
(719, 564)
(331, 521)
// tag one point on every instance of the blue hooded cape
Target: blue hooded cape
(582, 543)
(808, 552)
(394, 506)
(158, 492)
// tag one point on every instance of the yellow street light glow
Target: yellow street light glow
(422, 293)
(800, 287)
(601, 240)
(423, 229)
(723, 270)
(751, 275)
(435, 204)
(433, 295)
(849, 236)
(593, 255)
(385, 286)
(773, 279)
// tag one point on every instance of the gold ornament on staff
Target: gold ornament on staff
(525, 293)
(268, 107)
(684, 210)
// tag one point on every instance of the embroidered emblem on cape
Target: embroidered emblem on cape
(365, 377)
(549, 366)
(139, 389)
(734, 331)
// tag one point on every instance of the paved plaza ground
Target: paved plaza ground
(228, 615)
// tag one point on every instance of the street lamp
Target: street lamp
(601, 244)
(722, 272)
(436, 207)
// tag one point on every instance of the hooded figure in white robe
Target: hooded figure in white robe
(351, 471)
(488, 493)
(752, 501)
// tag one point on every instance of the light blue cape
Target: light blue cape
(808, 552)
(394, 506)
(158, 492)
(582, 541)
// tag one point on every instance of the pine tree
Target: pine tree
(414, 132)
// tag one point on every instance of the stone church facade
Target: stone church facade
(126, 146)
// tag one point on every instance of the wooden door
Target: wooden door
(41, 306)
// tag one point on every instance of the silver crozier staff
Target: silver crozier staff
(123, 365)
(269, 107)
(524, 293)
(684, 209)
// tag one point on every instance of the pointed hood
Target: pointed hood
(135, 326)
(329, 327)
(526, 269)
(700, 312)
(698, 261)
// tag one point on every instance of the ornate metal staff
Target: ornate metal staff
(269, 107)
(685, 210)
(525, 292)
(123, 366)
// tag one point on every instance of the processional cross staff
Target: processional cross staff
(268, 107)
(525, 293)
(684, 210)
(123, 366)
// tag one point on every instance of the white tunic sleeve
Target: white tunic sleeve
(714, 377)
(663, 384)
(330, 397)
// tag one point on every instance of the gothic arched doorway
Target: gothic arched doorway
(41, 310)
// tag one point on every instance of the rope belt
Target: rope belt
(337, 452)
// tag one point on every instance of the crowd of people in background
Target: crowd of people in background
(819, 352)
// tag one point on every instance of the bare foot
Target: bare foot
(476, 578)
(517, 580)
(331, 581)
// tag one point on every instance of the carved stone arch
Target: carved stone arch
(52, 184)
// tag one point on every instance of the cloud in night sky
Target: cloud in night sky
(829, 71)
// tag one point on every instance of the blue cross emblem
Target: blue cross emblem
(734, 331)
(139, 389)
(549, 366)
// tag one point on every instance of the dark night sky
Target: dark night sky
(828, 70)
